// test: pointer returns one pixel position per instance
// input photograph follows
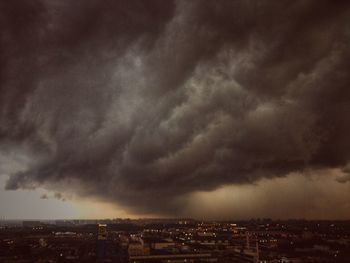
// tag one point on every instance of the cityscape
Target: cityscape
(174, 240)
(174, 131)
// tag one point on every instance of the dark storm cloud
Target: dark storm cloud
(143, 102)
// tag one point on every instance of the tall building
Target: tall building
(101, 242)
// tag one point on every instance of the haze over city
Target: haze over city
(211, 110)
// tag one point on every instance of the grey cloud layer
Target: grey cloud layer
(142, 102)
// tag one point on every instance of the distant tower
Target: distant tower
(101, 242)
(247, 240)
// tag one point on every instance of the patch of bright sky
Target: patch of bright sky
(27, 204)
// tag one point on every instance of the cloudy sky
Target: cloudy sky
(206, 109)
